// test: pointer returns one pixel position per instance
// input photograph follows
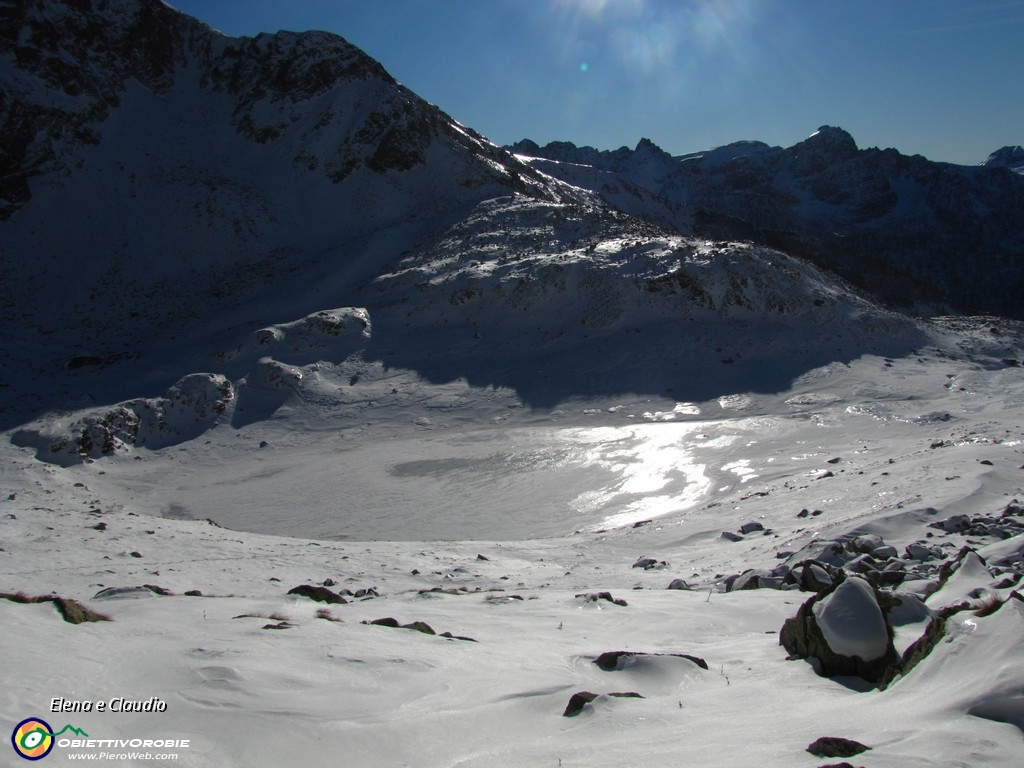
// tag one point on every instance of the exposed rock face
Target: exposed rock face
(71, 62)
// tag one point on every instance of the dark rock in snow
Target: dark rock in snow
(836, 746)
(751, 527)
(610, 661)
(753, 578)
(678, 584)
(420, 626)
(320, 594)
(577, 702)
(580, 699)
(593, 597)
(649, 563)
(954, 524)
(813, 576)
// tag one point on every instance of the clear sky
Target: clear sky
(940, 78)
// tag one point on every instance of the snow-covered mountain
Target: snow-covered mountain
(172, 191)
(914, 233)
(164, 183)
(1006, 157)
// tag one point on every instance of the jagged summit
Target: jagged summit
(830, 143)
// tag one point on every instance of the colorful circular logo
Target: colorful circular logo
(33, 738)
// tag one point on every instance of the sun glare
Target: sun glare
(654, 36)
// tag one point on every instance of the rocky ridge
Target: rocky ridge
(916, 234)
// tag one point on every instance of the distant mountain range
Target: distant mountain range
(917, 235)
(166, 191)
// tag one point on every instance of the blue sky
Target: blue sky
(941, 78)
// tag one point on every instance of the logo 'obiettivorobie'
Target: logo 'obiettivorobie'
(33, 738)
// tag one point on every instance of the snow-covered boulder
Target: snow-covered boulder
(851, 621)
(844, 631)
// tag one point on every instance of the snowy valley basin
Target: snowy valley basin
(473, 464)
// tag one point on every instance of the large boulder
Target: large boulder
(844, 631)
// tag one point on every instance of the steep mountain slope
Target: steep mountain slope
(164, 182)
(916, 234)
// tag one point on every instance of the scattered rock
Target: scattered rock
(836, 746)
(320, 594)
(609, 661)
(420, 626)
(593, 597)
(649, 563)
(580, 699)
(730, 536)
(751, 527)
(753, 578)
(450, 636)
(678, 584)
(577, 702)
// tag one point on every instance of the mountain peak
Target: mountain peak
(830, 139)
(1011, 157)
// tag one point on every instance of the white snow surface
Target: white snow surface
(375, 477)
